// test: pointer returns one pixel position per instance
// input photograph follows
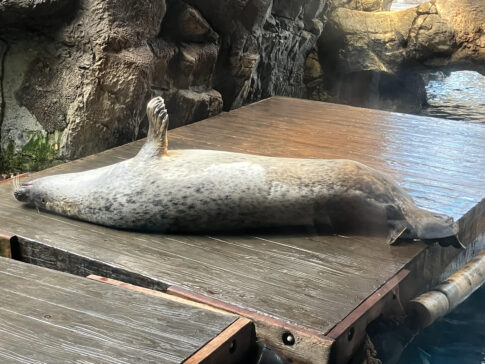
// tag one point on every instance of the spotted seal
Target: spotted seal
(203, 190)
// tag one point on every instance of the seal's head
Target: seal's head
(23, 192)
(32, 195)
(47, 193)
(70, 194)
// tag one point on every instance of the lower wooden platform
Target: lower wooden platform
(323, 290)
(48, 316)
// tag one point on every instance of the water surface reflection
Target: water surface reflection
(459, 95)
(460, 336)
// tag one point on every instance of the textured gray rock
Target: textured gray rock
(185, 23)
(3, 52)
(450, 30)
(196, 105)
(289, 34)
(31, 11)
(83, 80)
(185, 54)
(81, 71)
(264, 45)
(467, 18)
(18, 121)
(384, 41)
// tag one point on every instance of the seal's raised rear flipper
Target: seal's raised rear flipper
(158, 124)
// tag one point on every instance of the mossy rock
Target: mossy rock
(40, 152)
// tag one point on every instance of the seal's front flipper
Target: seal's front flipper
(396, 233)
(158, 124)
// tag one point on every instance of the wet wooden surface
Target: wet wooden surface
(308, 280)
(49, 316)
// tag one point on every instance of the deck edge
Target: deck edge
(231, 346)
(349, 334)
(6, 239)
(152, 292)
(307, 345)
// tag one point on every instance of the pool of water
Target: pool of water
(458, 338)
(398, 7)
(458, 95)
(405, 4)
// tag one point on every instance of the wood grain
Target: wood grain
(49, 316)
(231, 346)
(5, 244)
(309, 346)
(298, 277)
(152, 292)
(350, 333)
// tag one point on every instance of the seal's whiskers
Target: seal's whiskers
(16, 183)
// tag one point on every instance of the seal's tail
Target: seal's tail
(158, 124)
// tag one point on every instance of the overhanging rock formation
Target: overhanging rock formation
(370, 54)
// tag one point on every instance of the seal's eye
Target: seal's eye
(42, 200)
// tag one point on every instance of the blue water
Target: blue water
(458, 338)
(459, 95)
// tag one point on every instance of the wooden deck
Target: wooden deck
(48, 316)
(322, 289)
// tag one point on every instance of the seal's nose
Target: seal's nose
(23, 192)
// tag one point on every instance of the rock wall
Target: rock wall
(364, 5)
(370, 59)
(75, 79)
(76, 74)
(467, 18)
(385, 41)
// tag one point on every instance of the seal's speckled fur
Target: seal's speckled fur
(202, 190)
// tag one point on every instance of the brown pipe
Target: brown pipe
(430, 306)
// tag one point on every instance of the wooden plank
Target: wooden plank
(51, 316)
(230, 346)
(390, 286)
(152, 292)
(350, 333)
(312, 269)
(5, 244)
(423, 154)
(299, 278)
(306, 345)
(280, 264)
(10, 180)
